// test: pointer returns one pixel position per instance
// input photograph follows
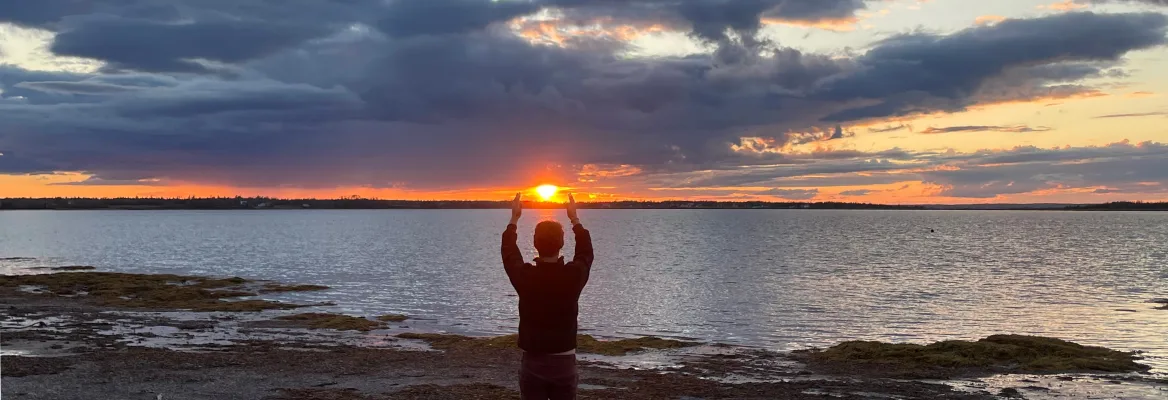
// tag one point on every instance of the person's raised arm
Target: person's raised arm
(512, 257)
(583, 255)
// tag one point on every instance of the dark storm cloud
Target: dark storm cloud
(918, 72)
(431, 17)
(49, 13)
(984, 128)
(367, 94)
(157, 46)
(710, 19)
(93, 87)
(1162, 3)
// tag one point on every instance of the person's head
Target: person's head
(549, 238)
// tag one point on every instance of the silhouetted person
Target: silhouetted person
(549, 292)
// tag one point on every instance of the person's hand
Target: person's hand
(572, 210)
(516, 208)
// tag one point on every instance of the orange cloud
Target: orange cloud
(560, 32)
(1140, 94)
(1067, 5)
(1053, 96)
(838, 25)
(988, 19)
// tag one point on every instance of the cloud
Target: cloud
(988, 19)
(1028, 169)
(1161, 3)
(984, 174)
(919, 72)
(433, 17)
(863, 192)
(145, 45)
(984, 128)
(791, 194)
(94, 181)
(49, 14)
(75, 87)
(1131, 115)
(1107, 191)
(712, 19)
(1065, 5)
(890, 128)
(364, 93)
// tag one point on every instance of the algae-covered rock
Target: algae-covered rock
(1162, 302)
(160, 291)
(278, 288)
(67, 268)
(1010, 393)
(584, 343)
(994, 354)
(332, 321)
(392, 318)
(588, 344)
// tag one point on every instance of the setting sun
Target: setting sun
(547, 191)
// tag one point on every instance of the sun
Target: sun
(547, 191)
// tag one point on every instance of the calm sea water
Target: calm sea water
(775, 279)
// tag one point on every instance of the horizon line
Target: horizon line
(580, 201)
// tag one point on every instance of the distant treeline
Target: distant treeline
(236, 203)
(231, 203)
(1121, 206)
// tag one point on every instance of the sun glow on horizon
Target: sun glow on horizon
(547, 191)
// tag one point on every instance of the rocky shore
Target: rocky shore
(95, 335)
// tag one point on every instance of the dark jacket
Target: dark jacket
(549, 293)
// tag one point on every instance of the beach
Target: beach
(79, 335)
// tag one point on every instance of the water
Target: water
(776, 279)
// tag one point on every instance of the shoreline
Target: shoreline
(76, 346)
(267, 203)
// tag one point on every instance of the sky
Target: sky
(885, 101)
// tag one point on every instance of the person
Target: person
(549, 293)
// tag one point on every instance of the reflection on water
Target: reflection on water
(777, 279)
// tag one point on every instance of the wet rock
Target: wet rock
(392, 318)
(15, 366)
(278, 288)
(332, 321)
(584, 343)
(994, 354)
(193, 325)
(1162, 302)
(74, 268)
(1011, 393)
(150, 291)
(319, 394)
